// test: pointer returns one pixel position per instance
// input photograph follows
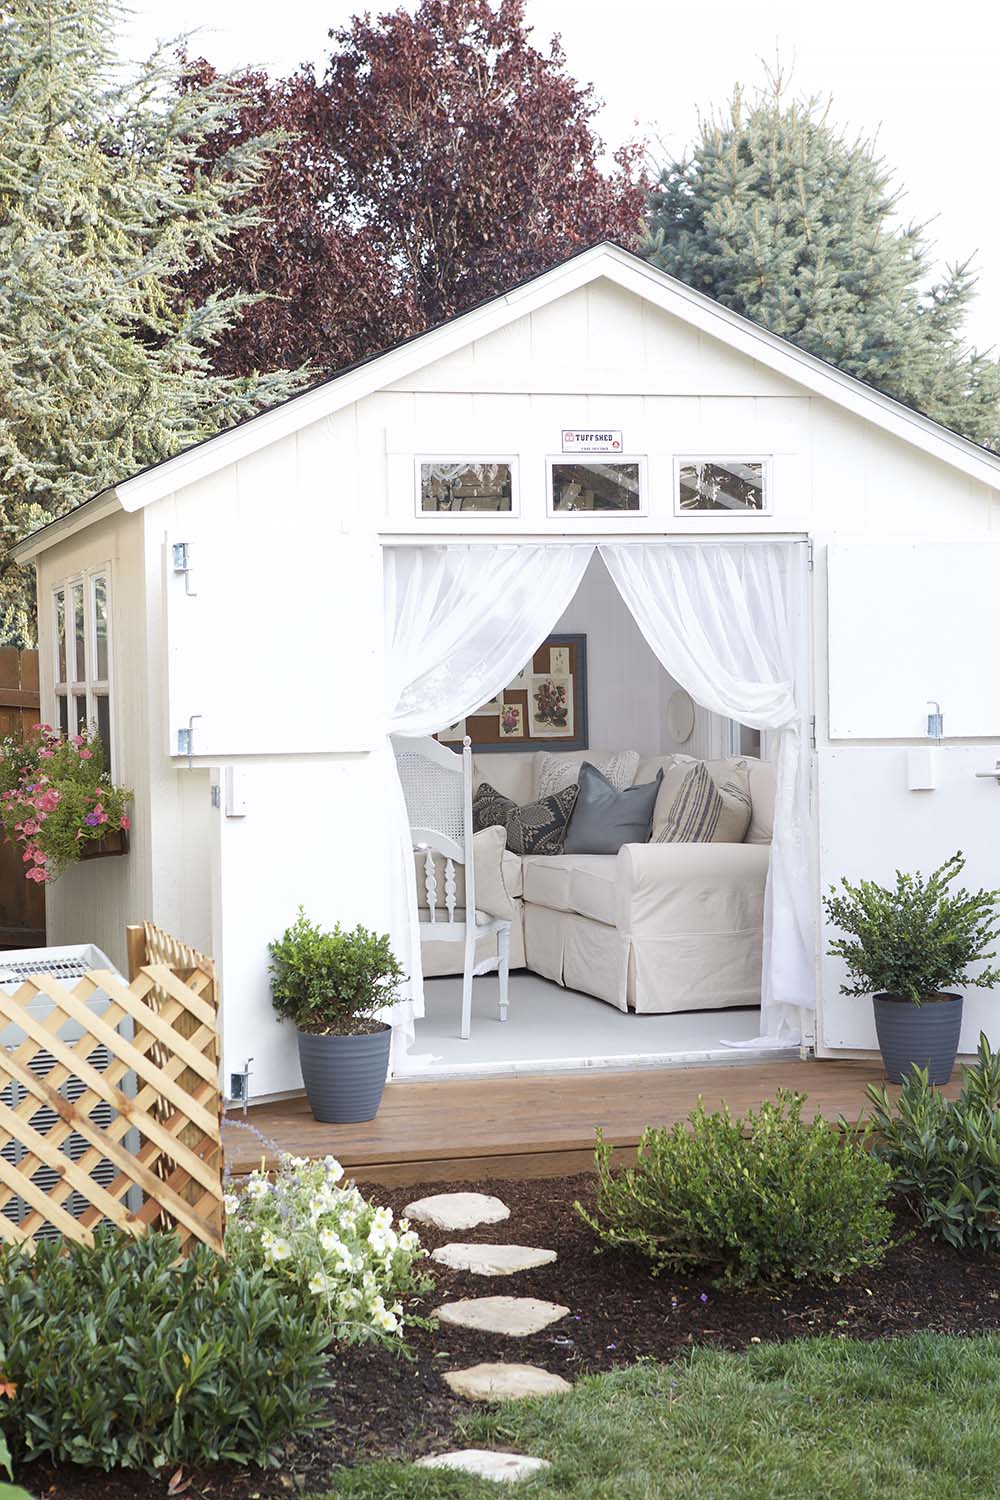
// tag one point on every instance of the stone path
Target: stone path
(492, 1260)
(486, 1465)
(515, 1316)
(512, 1317)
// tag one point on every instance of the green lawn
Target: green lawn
(823, 1419)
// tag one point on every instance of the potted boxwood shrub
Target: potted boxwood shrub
(331, 985)
(908, 947)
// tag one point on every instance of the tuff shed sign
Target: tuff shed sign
(577, 440)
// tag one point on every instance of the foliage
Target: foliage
(56, 797)
(320, 1239)
(332, 983)
(777, 215)
(110, 187)
(9, 1491)
(838, 1418)
(758, 1199)
(944, 1155)
(124, 1355)
(917, 939)
(442, 158)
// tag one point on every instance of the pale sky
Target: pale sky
(923, 77)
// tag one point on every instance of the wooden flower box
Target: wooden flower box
(103, 848)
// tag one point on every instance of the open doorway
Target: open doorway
(618, 960)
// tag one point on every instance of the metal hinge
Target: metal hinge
(812, 731)
(811, 555)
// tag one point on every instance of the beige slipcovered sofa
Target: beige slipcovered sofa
(656, 927)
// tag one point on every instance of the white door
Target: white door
(908, 624)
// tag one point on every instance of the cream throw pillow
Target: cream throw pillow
(492, 896)
(694, 808)
(554, 772)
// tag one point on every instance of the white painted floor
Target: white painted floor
(551, 1029)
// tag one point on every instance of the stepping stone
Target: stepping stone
(504, 1467)
(516, 1316)
(457, 1210)
(492, 1260)
(505, 1382)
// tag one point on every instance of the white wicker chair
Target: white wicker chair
(437, 785)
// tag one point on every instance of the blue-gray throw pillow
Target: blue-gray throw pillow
(604, 819)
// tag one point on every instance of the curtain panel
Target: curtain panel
(460, 622)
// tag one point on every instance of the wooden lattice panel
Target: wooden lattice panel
(110, 1105)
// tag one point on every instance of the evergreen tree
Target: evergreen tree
(105, 198)
(776, 215)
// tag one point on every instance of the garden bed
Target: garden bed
(385, 1405)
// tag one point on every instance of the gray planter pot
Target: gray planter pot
(344, 1075)
(923, 1034)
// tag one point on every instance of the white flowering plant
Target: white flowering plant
(321, 1238)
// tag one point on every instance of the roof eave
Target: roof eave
(97, 508)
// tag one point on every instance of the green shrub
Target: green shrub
(124, 1355)
(917, 939)
(760, 1199)
(945, 1157)
(332, 983)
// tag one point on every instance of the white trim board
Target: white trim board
(625, 270)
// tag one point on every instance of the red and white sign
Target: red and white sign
(577, 440)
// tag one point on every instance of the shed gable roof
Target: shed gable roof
(622, 267)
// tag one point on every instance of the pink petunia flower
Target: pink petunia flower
(36, 873)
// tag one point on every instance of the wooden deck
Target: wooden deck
(530, 1127)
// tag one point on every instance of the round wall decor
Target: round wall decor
(680, 716)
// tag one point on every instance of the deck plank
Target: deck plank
(451, 1130)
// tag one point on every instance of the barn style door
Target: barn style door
(910, 627)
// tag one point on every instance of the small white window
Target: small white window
(83, 658)
(585, 482)
(466, 486)
(730, 486)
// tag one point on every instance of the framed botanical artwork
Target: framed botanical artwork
(450, 485)
(543, 708)
(595, 485)
(722, 486)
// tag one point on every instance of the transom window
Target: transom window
(83, 657)
(469, 486)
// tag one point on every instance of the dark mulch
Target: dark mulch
(386, 1406)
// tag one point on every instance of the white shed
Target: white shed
(249, 678)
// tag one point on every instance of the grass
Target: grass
(916, 1416)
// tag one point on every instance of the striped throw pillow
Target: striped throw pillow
(703, 813)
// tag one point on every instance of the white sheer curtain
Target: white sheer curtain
(461, 621)
(728, 622)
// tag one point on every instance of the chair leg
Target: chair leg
(470, 964)
(503, 953)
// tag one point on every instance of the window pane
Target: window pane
(718, 485)
(61, 634)
(465, 487)
(104, 728)
(80, 714)
(595, 486)
(80, 669)
(101, 628)
(63, 713)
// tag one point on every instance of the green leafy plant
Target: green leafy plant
(765, 1198)
(56, 797)
(945, 1155)
(324, 1242)
(332, 983)
(9, 1491)
(123, 1355)
(916, 939)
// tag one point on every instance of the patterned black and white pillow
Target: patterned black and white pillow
(537, 828)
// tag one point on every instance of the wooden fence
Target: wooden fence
(109, 1099)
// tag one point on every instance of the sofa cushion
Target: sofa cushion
(536, 828)
(731, 777)
(511, 772)
(581, 883)
(553, 772)
(703, 813)
(498, 875)
(604, 819)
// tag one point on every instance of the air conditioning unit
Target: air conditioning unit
(67, 965)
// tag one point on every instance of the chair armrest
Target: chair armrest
(690, 888)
